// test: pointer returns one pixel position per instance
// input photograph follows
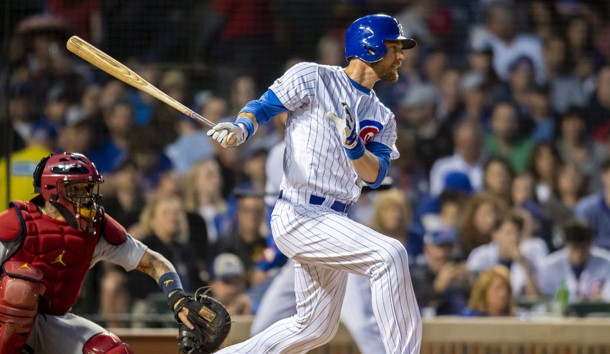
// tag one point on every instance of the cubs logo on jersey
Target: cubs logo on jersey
(368, 129)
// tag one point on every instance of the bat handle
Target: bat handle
(198, 117)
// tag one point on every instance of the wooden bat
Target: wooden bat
(96, 57)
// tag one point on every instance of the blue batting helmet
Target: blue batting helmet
(364, 37)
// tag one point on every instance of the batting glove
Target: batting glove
(347, 131)
(228, 134)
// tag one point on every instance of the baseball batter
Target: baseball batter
(46, 247)
(327, 159)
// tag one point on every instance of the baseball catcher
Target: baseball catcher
(47, 245)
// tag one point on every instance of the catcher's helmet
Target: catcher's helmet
(364, 37)
(71, 182)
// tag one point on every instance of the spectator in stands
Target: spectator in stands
(467, 158)
(440, 282)
(190, 146)
(580, 265)
(89, 101)
(543, 19)
(128, 201)
(203, 195)
(23, 163)
(434, 64)
(595, 209)
(145, 150)
(473, 95)
(21, 114)
(418, 112)
(581, 54)
(247, 241)
(56, 105)
(491, 294)
(228, 284)
(172, 185)
(392, 216)
(144, 105)
(531, 245)
(417, 14)
(523, 196)
(505, 139)
(454, 183)
(517, 87)
(500, 34)
(165, 118)
(84, 17)
(539, 110)
(193, 144)
(498, 177)
(449, 98)
(253, 161)
(505, 249)
(444, 209)
(570, 187)
(565, 89)
(329, 51)
(245, 36)
(408, 172)
(119, 122)
(481, 213)
(111, 92)
(76, 134)
(542, 166)
(598, 114)
(575, 146)
(165, 231)
(480, 61)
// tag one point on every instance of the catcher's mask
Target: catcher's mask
(71, 182)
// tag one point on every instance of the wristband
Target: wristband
(248, 124)
(357, 151)
(169, 282)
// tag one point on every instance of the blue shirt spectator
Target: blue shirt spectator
(595, 209)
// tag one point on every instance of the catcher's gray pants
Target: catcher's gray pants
(61, 334)
(357, 315)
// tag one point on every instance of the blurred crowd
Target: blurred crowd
(501, 193)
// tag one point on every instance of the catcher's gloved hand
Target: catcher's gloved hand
(348, 132)
(229, 134)
(210, 320)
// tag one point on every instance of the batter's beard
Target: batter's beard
(386, 74)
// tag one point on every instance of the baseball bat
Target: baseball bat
(105, 62)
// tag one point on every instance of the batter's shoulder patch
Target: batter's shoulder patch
(368, 129)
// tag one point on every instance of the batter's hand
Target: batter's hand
(346, 126)
(228, 134)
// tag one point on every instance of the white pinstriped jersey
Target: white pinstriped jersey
(315, 159)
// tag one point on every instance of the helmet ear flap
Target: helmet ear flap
(38, 174)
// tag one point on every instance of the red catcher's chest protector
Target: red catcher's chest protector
(61, 252)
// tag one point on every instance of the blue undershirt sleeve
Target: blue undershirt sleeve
(265, 108)
(382, 152)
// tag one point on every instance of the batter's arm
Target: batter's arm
(373, 165)
(367, 167)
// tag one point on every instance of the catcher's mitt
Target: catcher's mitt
(211, 320)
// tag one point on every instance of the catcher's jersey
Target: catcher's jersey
(315, 160)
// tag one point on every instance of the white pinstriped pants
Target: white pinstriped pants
(326, 246)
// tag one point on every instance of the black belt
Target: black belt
(318, 200)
